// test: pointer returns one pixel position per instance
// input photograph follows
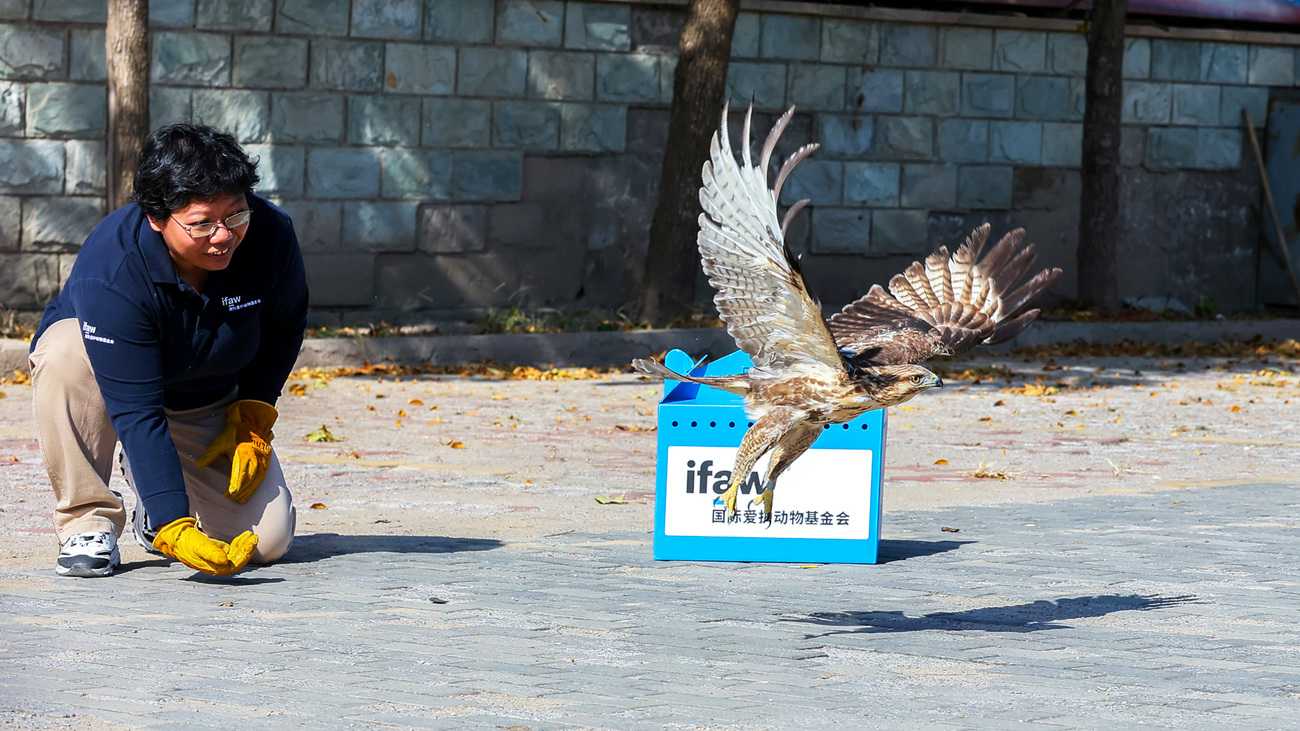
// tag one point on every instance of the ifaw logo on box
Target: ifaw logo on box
(826, 508)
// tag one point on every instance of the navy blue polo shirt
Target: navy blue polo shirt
(155, 342)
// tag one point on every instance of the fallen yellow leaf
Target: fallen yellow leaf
(941, 461)
(298, 389)
(318, 506)
(416, 402)
(1235, 409)
(402, 412)
(323, 435)
(456, 445)
(612, 500)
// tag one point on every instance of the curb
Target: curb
(618, 348)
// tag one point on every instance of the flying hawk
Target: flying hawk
(809, 371)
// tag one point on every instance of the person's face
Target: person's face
(212, 253)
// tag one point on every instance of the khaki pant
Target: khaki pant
(77, 442)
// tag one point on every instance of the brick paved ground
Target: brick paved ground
(1141, 569)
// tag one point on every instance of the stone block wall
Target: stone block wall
(443, 157)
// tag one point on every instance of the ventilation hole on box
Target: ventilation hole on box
(826, 426)
(712, 424)
(674, 423)
(846, 426)
(732, 425)
(864, 427)
(694, 424)
(751, 423)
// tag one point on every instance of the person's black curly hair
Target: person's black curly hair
(182, 163)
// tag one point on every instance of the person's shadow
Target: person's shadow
(318, 546)
(1031, 617)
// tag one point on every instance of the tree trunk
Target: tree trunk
(127, 50)
(699, 88)
(1099, 207)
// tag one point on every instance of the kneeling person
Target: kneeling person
(175, 332)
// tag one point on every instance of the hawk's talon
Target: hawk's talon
(764, 499)
(728, 499)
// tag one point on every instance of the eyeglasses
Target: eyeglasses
(207, 228)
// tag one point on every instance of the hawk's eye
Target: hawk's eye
(916, 379)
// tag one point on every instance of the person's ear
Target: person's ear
(155, 225)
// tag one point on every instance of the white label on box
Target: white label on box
(826, 493)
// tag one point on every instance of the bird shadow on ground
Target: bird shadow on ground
(326, 545)
(1031, 617)
(897, 549)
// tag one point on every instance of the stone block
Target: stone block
(70, 11)
(347, 65)
(1137, 58)
(820, 181)
(1016, 142)
(854, 42)
(452, 229)
(531, 125)
(844, 136)
(1132, 146)
(423, 174)
(1171, 147)
(457, 123)
(281, 167)
(593, 127)
(378, 226)
(984, 186)
(462, 21)
(904, 138)
(906, 45)
(879, 90)
(561, 75)
(936, 93)
(269, 62)
(390, 121)
(1176, 60)
(745, 37)
(790, 37)
(967, 48)
(1196, 104)
(1044, 97)
(963, 140)
(29, 281)
(340, 280)
(87, 55)
(306, 117)
(342, 172)
(168, 105)
(899, 232)
(1078, 91)
(1218, 149)
(235, 15)
(841, 231)
(318, 224)
(59, 224)
(1062, 144)
(667, 70)
(1271, 66)
(1233, 99)
(84, 170)
(243, 113)
(990, 95)
(929, 186)
(313, 17)
(1067, 54)
(632, 77)
(530, 22)
(1147, 102)
(1021, 51)
(413, 68)
(399, 19)
(491, 72)
(596, 27)
(66, 110)
(191, 59)
(488, 176)
(871, 183)
(816, 87)
(762, 83)
(11, 109)
(29, 52)
(11, 224)
(1224, 63)
(171, 13)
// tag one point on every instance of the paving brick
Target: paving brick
(171, 14)
(1233, 99)
(530, 22)
(313, 17)
(963, 140)
(14, 9)
(452, 229)
(850, 41)
(910, 46)
(281, 167)
(1171, 147)
(1044, 97)
(1224, 63)
(244, 114)
(1062, 144)
(596, 27)
(1137, 58)
(632, 77)
(66, 110)
(31, 52)
(307, 117)
(561, 75)
(1016, 142)
(844, 136)
(841, 230)
(904, 138)
(819, 181)
(234, 15)
(875, 90)
(1196, 104)
(70, 11)
(984, 186)
(488, 176)
(59, 224)
(872, 183)
(384, 121)
(791, 37)
(500, 72)
(11, 109)
(1176, 60)
(967, 48)
(1019, 51)
(761, 83)
(168, 105)
(929, 186)
(84, 168)
(1148, 102)
(396, 19)
(898, 232)
(989, 95)
(269, 62)
(456, 123)
(816, 87)
(745, 37)
(1067, 54)
(1218, 149)
(463, 21)
(1271, 66)
(379, 226)
(347, 65)
(936, 93)
(318, 224)
(340, 280)
(593, 127)
(341, 172)
(87, 55)
(411, 68)
(191, 59)
(531, 125)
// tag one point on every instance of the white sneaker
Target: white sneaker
(140, 529)
(89, 554)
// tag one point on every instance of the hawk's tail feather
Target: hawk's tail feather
(737, 384)
(1027, 292)
(1008, 329)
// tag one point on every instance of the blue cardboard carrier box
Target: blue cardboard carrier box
(827, 504)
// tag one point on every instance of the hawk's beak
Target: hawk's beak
(934, 382)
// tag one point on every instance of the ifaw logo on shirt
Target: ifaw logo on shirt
(88, 332)
(234, 303)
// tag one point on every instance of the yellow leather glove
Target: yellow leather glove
(246, 441)
(180, 540)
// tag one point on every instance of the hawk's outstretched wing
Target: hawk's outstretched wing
(945, 306)
(761, 295)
